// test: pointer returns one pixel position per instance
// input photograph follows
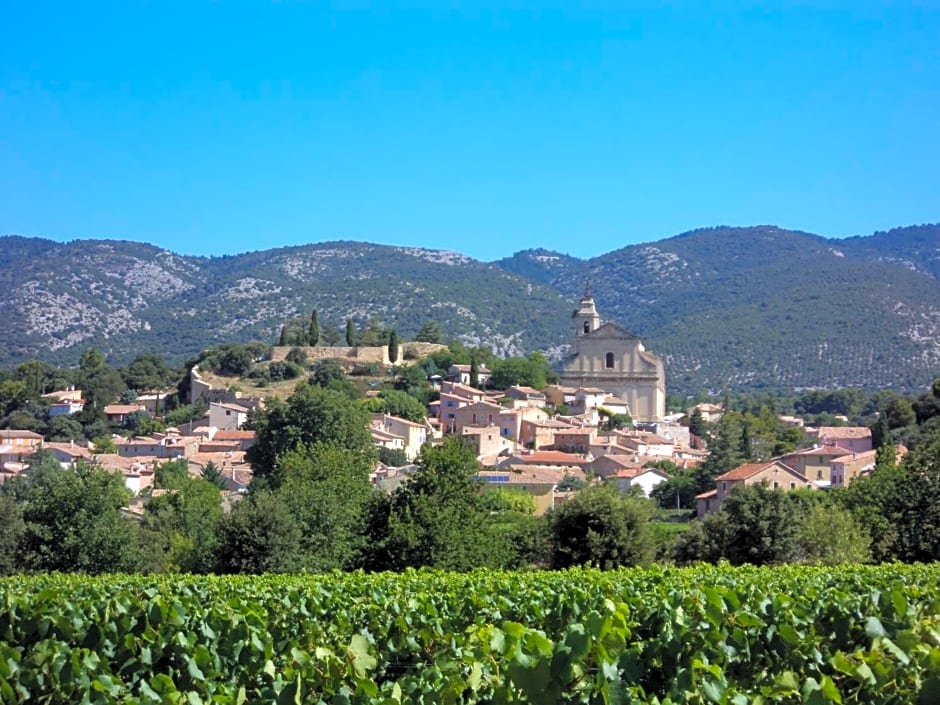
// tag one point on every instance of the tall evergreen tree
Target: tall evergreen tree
(350, 333)
(474, 372)
(313, 333)
(283, 339)
(746, 450)
(393, 346)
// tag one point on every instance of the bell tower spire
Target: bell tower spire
(586, 318)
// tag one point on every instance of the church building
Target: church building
(611, 358)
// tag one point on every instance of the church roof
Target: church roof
(610, 330)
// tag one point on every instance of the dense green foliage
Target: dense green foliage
(696, 636)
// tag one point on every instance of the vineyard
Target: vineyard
(700, 635)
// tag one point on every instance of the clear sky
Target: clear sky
(221, 127)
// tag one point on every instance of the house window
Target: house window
(776, 485)
(724, 487)
(609, 361)
(792, 485)
(587, 327)
(819, 474)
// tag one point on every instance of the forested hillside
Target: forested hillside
(765, 307)
(757, 307)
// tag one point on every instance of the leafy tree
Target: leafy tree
(681, 486)
(104, 444)
(313, 332)
(64, 428)
(571, 483)
(328, 490)
(13, 395)
(171, 474)
(430, 332)
(350, 333)
(393, 457)
(762, 526)
(900, 413)
(393, 346)
(704, 540)
(603, 527)
(260, 535)
(881, 433)
(330, 337)
(613, 422)
(150, 371)
(12, 528)
(532, 371)
(402, 405)
(915, 506)
(213, 475)
(723, 453)
(330, 374)
(183, 525)
(413, 380)
(436, 518)
(310, 415)
(697, 425)
(297, 356)
(830, 535)
(186, 413)
(73, 519)
(100, 383)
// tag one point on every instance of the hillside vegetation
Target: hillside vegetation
(757, 307)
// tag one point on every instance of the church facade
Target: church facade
(611, 358)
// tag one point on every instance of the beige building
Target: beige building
(611, 358)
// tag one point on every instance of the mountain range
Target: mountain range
(742, 307)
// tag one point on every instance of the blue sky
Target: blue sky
(220, 127)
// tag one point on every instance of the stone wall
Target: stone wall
(361, 355)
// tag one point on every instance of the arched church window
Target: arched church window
(587, 327)
(609, 362)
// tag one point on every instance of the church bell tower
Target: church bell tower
(586, 318)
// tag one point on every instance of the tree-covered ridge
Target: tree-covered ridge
(743, 307)
(766, 307)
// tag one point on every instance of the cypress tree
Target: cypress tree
(313, 335)
(283, 339)
(350, 333)
(393, 346)
(474, 372)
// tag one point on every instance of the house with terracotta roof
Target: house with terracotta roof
(510, 421)
(540, 482)
(856, 439)
(559, 395)
(227, 416)
(244, 439)
(815, 463)
(644, 443)
(117, 413)
(574, 439)
(774, 474)
(415, 434)
(68, 453)
(487, 443)
(846, 468)
(481, 412)
(609, 465)
(461, 374)
(549, 458)
(525, 396)
(540, 433)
